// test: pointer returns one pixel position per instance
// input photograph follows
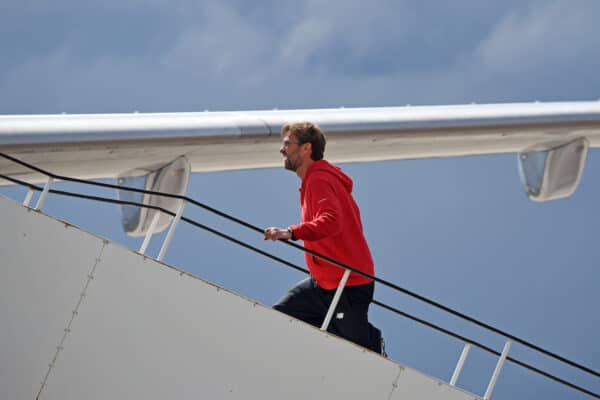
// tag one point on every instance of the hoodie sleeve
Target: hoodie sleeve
(325, 207)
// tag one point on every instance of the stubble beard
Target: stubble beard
(289, 165)
(292, 164)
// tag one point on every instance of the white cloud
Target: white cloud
(550, 34)
(302, 42)
(221, 45)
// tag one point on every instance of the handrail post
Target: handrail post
(169, 237)
(28, 197)
(490, 388)
(150, 232)
(42, 199)
(460, 364)
(336, 299)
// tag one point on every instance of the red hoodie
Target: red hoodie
(331, 226)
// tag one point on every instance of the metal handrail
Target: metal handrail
(255, 228)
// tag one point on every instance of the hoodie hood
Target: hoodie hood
(323, 166)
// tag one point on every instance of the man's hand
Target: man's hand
(274, 233)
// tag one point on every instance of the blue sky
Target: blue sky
(458, 230)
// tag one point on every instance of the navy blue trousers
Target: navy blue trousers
(309, 303)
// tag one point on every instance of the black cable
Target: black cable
(328, 259)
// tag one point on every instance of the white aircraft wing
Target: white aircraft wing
(106, 145)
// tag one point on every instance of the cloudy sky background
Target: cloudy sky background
(69, 56)
(457, 230)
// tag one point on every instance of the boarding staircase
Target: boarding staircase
(86, 318)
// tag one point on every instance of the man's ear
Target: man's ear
(307, 147)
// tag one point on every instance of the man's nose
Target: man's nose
(282, 150)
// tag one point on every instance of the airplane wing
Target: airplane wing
(105, 145)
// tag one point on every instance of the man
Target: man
(330, 226)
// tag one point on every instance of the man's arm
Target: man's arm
(321, 198)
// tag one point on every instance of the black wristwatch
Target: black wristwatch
(291, 233)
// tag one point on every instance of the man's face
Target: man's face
(290, 150)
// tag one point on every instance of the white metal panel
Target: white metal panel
(18, 129)
(94, 146)
(146, 330)
(414, 385)
(40, 284)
